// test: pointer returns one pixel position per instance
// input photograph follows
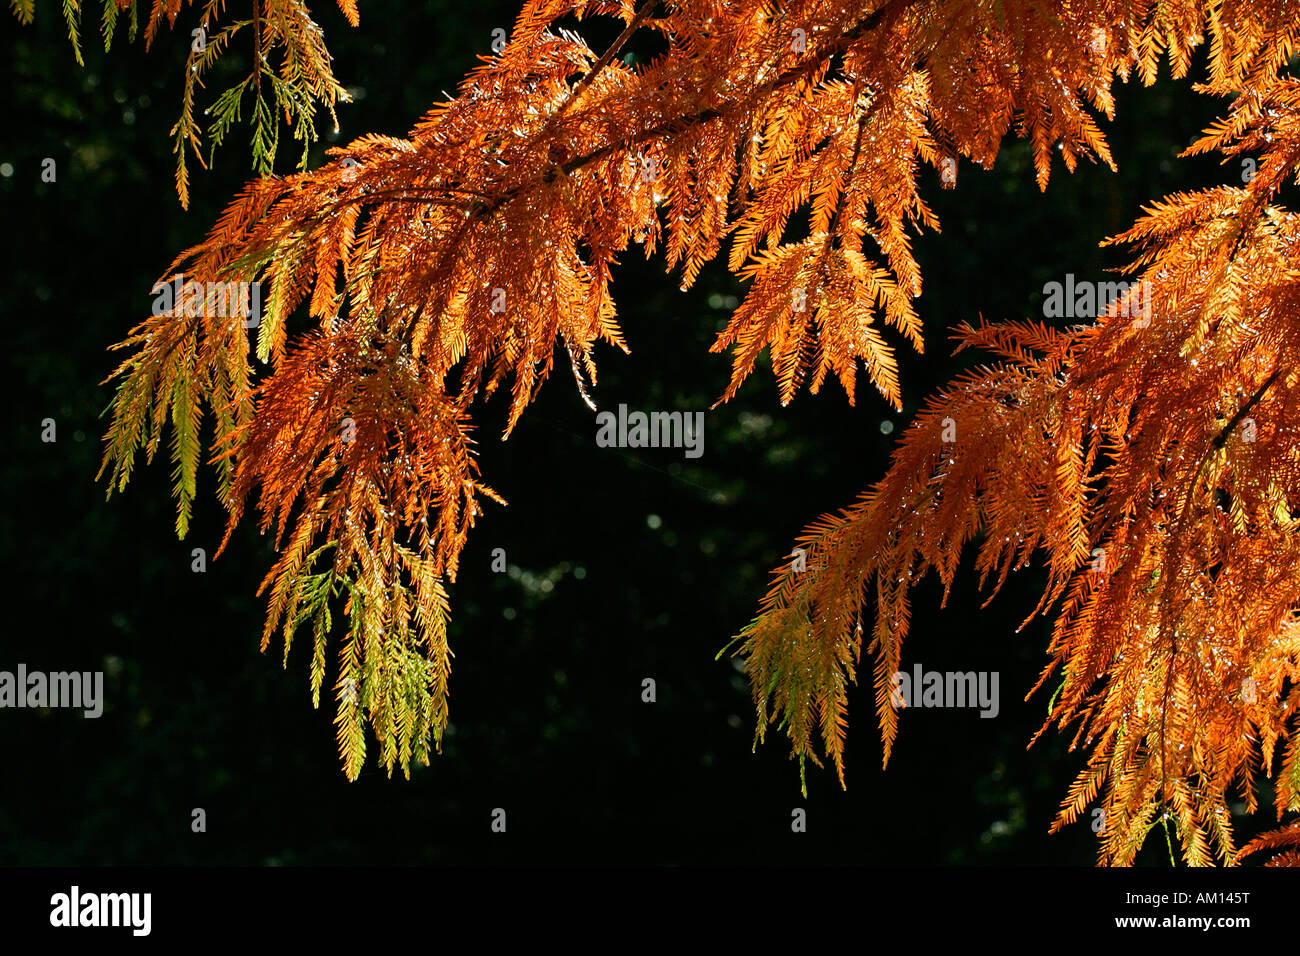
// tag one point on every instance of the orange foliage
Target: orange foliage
(442, 266)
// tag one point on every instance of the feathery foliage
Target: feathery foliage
(1152, 462)
(442, 266)
(303, 81)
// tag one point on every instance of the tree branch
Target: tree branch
(681, 123)
(1228, 429)
(633, 25)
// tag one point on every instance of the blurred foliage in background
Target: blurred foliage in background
(623, 564)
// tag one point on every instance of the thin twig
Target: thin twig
(1222, 438)
(633, 25)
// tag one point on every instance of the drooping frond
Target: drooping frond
(439, 267)
(1151, 461)
(282, 29)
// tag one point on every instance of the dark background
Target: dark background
(624, 564)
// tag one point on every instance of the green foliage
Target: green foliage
(303, 80)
